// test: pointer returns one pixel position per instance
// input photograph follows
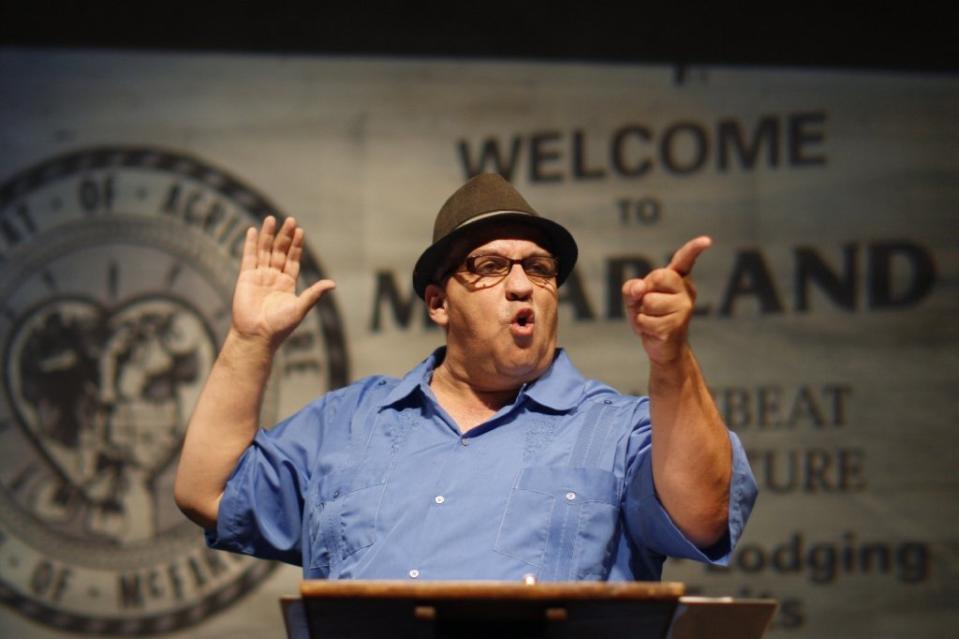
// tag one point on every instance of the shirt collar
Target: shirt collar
(419, 377)
(560, 388)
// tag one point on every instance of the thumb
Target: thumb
(312, 295)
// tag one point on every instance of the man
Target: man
(492, 459)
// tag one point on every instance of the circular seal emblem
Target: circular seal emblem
(117, 268)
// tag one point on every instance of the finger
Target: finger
(655, 327)
(312, 295)
(664, 280)
(685, 258)
(267, 233)
(662, 304)
(633, 290)
(292, 266)
(249, 250)
(284, 238)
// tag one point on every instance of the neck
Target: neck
(468, 403)
(456, 383)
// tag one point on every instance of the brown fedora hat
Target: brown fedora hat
(484, 201)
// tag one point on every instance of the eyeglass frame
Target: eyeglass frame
(470, 264)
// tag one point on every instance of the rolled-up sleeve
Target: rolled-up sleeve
(262, 509)
(651, 526)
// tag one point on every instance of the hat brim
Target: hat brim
(561, 243)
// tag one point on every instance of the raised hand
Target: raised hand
(660, 305)
(265, 303)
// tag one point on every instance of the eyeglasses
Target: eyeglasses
(542, 267)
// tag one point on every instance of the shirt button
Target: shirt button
(570, 496)
(414, 573)
(464, 441)
(439, 499)
(607, 401)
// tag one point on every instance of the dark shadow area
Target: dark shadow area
(861, 36)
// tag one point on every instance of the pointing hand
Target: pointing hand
(660, 305)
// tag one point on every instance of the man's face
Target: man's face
(501, 330)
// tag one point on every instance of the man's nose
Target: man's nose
(518, 284)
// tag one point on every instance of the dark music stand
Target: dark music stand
(462, 609)
(400, 609)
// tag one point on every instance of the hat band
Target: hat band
(483, 216)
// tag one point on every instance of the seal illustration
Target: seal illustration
(116, 271)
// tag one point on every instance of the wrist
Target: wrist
(240, 349)
(675, 370)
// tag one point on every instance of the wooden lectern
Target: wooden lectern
(464, 609)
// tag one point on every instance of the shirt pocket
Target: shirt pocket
(345, 508)
(556, 512)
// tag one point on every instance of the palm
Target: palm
(265, 303)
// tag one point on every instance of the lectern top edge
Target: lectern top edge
(639, 590)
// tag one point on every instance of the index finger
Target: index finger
(685, 258)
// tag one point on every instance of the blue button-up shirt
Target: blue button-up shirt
(375, 481)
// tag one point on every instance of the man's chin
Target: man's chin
(525, 342)
(527, 362)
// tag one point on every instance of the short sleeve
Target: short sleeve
(261, 511)
(650, 526)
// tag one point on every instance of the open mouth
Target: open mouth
(523, 318)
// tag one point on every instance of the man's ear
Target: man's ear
(436, 304)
